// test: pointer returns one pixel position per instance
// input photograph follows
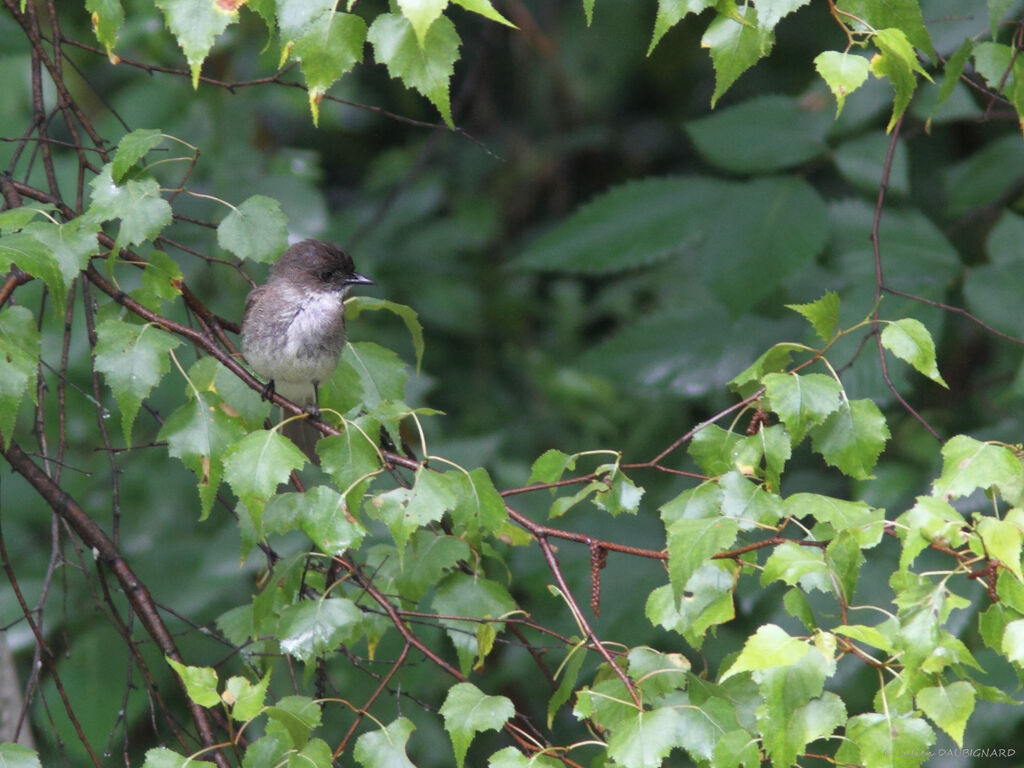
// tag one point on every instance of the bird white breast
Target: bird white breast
(308, 350)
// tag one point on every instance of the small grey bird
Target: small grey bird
(294, 326)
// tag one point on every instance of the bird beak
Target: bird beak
(358, 279)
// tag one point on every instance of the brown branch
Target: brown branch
(373, 697)
(958, 311)
(45, 654)
(556, 571)
(883, 187)
(108, 555)
(411, 639)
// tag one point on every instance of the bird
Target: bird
(293, 330)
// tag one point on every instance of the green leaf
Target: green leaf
(799, 607)
(245, 698)
(385, 747)
(422, 14)
(852, 438)
(479, 507)
(866, 523)
(705, 500)
(692, 542)
(736, 749)
(485, 9)
(703, 724)
(381, 372)
(459, 594)
(870, 635)
(794, 564)
(570, 670)
(295, 717)
(137, 203)
(320, 513)
(431, 556)
(327, 43)
(467, 711)
(133, 360)
(905, 15)
(13, 219)
(200, 682)
(161, 281)
(706, 602)
(19, 350)
(910, 341)
(16, 756)
(735, 47)
(657, 674)
(845, 560)
(749, 503)
(31, 255)
(996, 13)
(788, 134)
(952, 71)
(775, 360)
(770, 12)
(164, 758)
(358, 304)
(769, 647)
(348, 457)
(107, 20)
(642, 739)
(196, 24)
(948, 706)
(802, 400)
(712, 449)
(817, 719)
(670, 13)
(563, 504)
(1013, 641)
(315, 752)
(930, 519)
(198, 433)
(898, 62)
(794, 709)
(426, 65)
(315, 628)
(616, 493)
(823, 314)
(893, 741)
(131, 148)
(629, 226)
(71, 245)
(510, 757)
(588, 11)
(1003, 540)
(550, 466)
(969, 464)
(259, 462)
(404, 510)
(256, 230)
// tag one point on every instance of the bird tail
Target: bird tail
(305, 436)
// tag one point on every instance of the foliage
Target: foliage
(752, 386)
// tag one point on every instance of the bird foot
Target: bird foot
(268, 390)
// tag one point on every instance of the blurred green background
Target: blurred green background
(547, 325)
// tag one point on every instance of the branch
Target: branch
(107, 554)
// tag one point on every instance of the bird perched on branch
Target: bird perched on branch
(294, 326)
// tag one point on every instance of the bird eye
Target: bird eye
(326, 275)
